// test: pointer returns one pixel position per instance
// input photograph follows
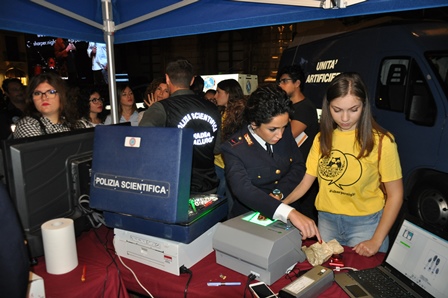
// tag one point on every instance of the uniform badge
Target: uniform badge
(235, 141)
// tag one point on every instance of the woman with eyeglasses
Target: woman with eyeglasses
(127, 109)
(90, 107)
(47, 108)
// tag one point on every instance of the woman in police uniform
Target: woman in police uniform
(263, 156)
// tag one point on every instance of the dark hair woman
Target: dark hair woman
(262, 157)
(47, 108)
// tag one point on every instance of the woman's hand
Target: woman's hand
(306, 225)
(150, 100)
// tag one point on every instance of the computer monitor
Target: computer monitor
(45, 176)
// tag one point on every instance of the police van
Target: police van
(405, 67)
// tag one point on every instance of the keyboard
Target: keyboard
(378, 284)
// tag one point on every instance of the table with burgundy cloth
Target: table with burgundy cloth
(107, 277)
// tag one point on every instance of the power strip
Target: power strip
(311, 284)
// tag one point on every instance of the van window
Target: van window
(391, 90)
(403, 88)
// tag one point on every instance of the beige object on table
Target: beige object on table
(318, 253)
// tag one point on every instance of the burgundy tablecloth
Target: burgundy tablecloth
(104, 280)
(102, 276)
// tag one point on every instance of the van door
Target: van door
(408, 103)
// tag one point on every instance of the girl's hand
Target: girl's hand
(367, 248)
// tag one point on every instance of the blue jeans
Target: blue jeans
(350, 230)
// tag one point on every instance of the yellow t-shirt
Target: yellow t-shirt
(347, 185)
(219, 161)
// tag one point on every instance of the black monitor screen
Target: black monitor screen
(42, 174)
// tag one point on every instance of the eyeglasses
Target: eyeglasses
(283, 81)
(97, 100)
(50, 94)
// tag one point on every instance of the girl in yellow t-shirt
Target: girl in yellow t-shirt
(351, 156)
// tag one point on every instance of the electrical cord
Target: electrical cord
(135, 276)
(344, 268)
(113, 262)
(96, 219)
(133, 273)
(183, 270)
(250, 278)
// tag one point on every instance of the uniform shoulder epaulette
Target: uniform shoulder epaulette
(248, 139)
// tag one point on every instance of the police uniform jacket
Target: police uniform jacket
(252, 174)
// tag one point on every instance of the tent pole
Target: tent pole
(109, 29)
(109, 39)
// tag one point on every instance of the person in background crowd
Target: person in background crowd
(350, 157)
(210, 95)
(198, 86)
(176, 111)
(127, 109)
(304, 126)
(90, 107)
(47, 108)
(156, 91)
(65, 52)
(14, 106)
(263, 156)
(230, 98)
(98, 53)
(304, 121)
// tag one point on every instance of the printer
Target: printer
(265, 248)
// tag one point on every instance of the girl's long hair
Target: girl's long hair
(233, 113)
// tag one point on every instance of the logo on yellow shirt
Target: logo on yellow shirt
(340, 169)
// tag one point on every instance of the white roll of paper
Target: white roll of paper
(58, 236)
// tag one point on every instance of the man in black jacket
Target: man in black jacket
(185, 109)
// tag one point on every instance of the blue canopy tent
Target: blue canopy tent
(122, 21)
